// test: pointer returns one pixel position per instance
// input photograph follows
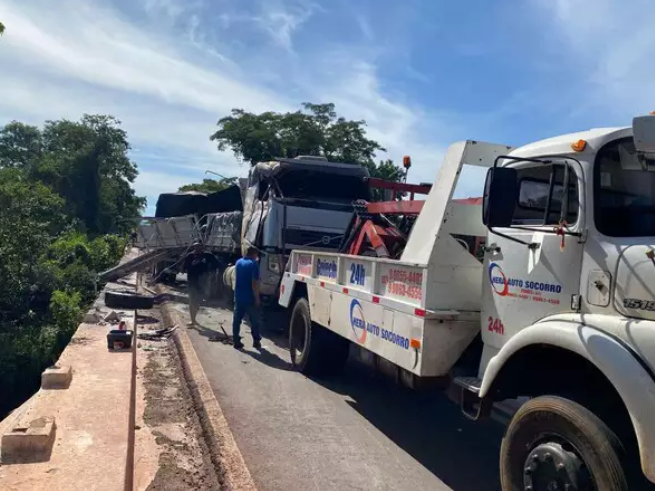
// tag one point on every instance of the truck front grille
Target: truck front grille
(297, 239)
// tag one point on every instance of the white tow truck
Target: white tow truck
(559, 314)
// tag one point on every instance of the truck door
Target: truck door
(531, 271)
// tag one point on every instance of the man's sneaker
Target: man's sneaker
(257, 345)
(238, 345)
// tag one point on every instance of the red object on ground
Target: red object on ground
(121, 326)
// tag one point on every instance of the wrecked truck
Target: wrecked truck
(284, 204)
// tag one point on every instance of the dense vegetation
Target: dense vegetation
(66, 204)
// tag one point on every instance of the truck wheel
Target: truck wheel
(555, 443)
(128, 301)
(314, 349)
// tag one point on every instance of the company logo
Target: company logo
(358, 321)
(360, 327)
(327, 269)
(525, 289)
(498, 280)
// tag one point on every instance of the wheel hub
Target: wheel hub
(550, 467)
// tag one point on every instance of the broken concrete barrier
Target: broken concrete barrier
(31, 442)
(56, 377)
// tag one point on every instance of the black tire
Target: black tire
(314, 349)
(546, 428)
(128, 301)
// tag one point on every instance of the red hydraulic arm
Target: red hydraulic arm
(371, 233)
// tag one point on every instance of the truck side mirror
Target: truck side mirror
(500, 193)
(643, 130)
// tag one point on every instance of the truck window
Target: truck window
(323, 186)
(624, 191)
(534, 183)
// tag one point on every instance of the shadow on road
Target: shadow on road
(271, 359)
(263, 355)
(463, 454)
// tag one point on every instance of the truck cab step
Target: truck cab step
(472, 384)
(472, 406)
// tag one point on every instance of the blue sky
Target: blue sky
(422, 73)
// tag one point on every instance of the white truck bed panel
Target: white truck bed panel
(378, 305)
(407, 287)
(425, 347)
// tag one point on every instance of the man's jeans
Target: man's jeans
(240, 310)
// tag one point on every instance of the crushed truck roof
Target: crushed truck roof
(275, 167)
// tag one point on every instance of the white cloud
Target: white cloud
(170, 87)
(610, 45)
(90, 43)
(280, 20)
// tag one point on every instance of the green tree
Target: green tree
(314, 130)
(21, 145)
(2, 28)
(64, 189)
(85, 162)
(31, 215)
(209, 186)
(388, 171)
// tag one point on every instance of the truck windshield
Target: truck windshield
(624, 204)
(319, 186)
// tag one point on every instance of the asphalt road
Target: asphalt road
(357, 432)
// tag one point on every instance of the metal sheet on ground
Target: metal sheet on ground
(357, 432)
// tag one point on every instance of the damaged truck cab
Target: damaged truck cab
(300, 203)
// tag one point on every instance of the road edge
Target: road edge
(223, 448)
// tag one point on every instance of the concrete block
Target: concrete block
(57, 377)
(28, 443)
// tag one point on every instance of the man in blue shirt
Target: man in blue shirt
(246, 297)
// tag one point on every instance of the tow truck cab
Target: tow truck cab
(569, 302)
(561, 311)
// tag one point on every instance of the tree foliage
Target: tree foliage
(2, 28)
(314, 130)
(209, 186)
(66, 203)
(84, 162)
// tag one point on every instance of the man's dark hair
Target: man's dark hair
(251, 251)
